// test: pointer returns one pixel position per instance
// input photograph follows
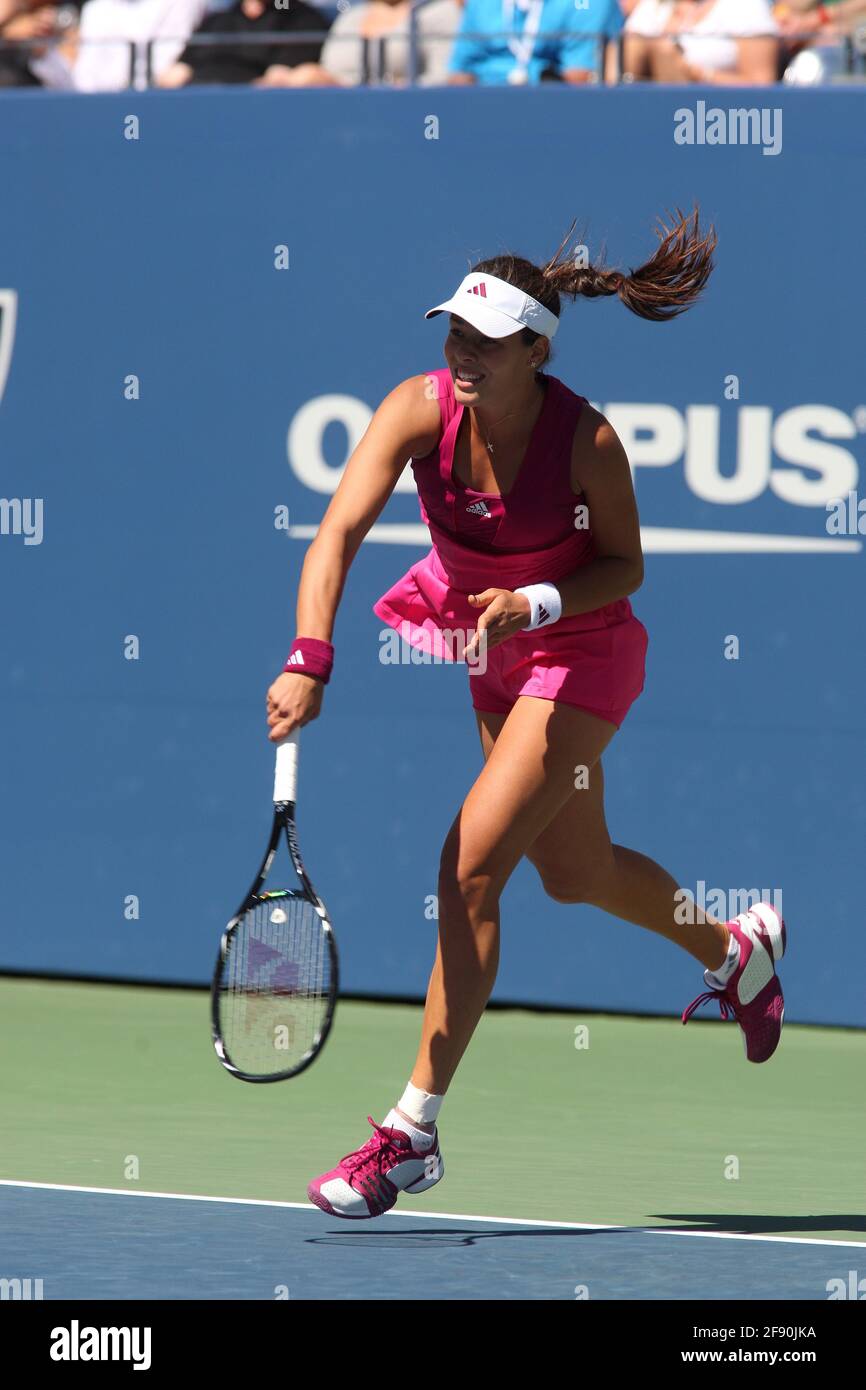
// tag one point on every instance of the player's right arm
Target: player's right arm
(407, 423)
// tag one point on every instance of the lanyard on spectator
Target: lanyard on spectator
(522, 47)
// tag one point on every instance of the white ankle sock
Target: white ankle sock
(421, 1107)
(420, 1140)
(717, 979)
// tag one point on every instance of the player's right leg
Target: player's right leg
(526, 780)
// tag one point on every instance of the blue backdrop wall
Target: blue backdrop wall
(154, 257)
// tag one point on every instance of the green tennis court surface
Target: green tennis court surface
(118, 1087)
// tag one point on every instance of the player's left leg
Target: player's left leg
(622, 881)
(578, 864)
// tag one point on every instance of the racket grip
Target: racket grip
(286, 770)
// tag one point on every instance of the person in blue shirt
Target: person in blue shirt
(519, 49)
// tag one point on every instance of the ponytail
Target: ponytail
(670, 282)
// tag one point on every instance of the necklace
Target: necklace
(498, 422)
(486, 434)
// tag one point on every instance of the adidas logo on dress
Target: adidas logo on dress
(479, 508)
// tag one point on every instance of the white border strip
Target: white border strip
(433, 1215)
(656, 540)
(9, 305)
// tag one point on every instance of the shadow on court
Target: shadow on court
(399, 1240)
(685, 1224)
(762, 1225)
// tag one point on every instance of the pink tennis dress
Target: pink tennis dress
(481, 541)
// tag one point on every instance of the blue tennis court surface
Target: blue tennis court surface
(102, 1245)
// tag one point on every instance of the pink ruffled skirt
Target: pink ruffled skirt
(595, 661)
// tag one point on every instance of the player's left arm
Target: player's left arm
(600, 472)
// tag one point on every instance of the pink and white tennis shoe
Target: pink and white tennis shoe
(753, 994)
(368, 1182)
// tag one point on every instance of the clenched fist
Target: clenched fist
(293, 700)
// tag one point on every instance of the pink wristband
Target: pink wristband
(311, 656)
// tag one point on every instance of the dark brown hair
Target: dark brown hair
(669, 283)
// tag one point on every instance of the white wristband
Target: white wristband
(545, 605)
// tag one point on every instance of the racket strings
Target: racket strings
(275, 987)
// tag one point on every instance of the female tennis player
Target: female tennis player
(528, 496)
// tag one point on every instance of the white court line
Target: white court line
(431, 1215)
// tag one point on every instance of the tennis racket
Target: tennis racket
(275, 984)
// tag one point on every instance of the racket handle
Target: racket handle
(286, 771)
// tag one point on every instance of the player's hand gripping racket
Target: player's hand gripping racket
(275, 984)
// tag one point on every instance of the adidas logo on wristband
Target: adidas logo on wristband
(545, 604)
(296, 659)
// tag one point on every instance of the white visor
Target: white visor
(496, 308)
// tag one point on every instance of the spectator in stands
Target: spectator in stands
(682, 41)
(114, 36)
(348, 61)
(832, 18)
(519, 46)
(815, 34)
(35, 65)
(260, 64)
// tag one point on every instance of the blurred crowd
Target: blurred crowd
(108, 45)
